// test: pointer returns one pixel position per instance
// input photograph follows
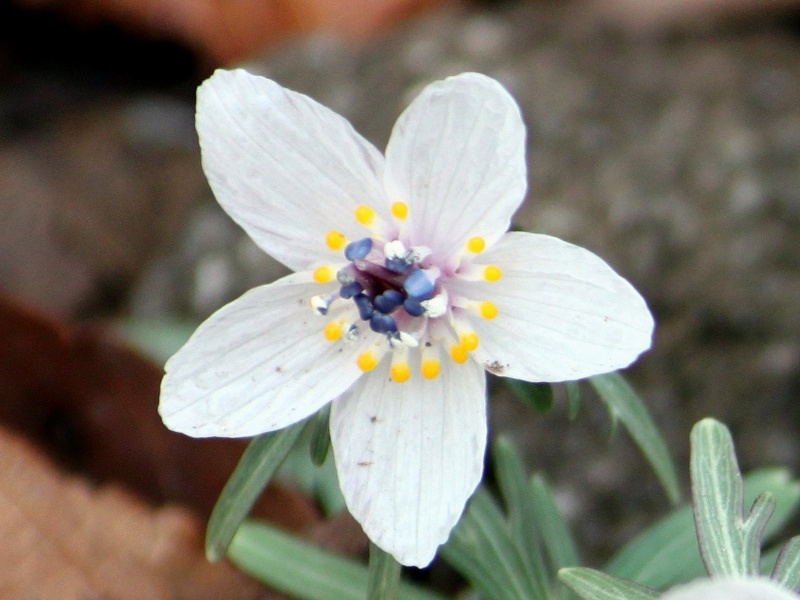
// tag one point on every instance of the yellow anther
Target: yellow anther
(492, 273)
(335, 240)
(469, 341)
(324, 274)
(365, 215)
(400, 210)
(488, 310)
(459, 354)
(476, 245)
(400, 372)
(333, 331)
(431, 368)
(367, 361)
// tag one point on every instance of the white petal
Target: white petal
(732, 588)
(457, 157)
(563, 312)
(284, 167)
(410, 454)
(258, 364)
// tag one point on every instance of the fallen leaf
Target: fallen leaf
(64, 540)
(225, 31)
(91, 403)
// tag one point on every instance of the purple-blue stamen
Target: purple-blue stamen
(413, 307)
(359, 249)
(419, 285)
(398, 264)
(381, 323)
(351, 289)
(388, 301)
(364, 305)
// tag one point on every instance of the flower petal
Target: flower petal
(730, 588)
(564, 314)
(256, 365)
(285, 168)
(457, 157)
(410, 454)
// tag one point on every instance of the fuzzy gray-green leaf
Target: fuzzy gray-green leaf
(787, 568)
(729, 543)
(595, 585)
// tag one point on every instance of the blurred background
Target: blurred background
(663, 135)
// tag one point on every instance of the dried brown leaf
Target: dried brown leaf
(64, 540)
(92, 404)
(229, 30)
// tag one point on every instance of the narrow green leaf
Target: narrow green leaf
(594, 585)
(384, 575)
(666, 553)
(319, 482)
(787, 567)
(157, 338)
(538, 396)
(521, 511)
(482, 550)
(258, 464)
(729, 543)
(624, 404)
(320, 435)
(557, 538)
(573, 398)
(302, 570)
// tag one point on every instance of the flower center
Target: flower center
(398, 294)
(389, 284)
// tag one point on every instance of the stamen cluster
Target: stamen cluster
(400, 294)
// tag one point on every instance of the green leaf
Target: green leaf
(157, 338)
(482, 549)
(538, 396)
(729, 543)
(258, 464)
(320, 435)
(557, 538)
(594, 585)
(384, 575)
(624, 404)
(522, 517)
(573, 398)
(666, 553)
(302, 570)
(319, 482)
(787, 567)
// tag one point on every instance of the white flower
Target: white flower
(407, 288)
(730, 588)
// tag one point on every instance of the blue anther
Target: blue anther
(351, 289)
(398, 264)
(380, 323)
(345, 276)
(388, 301)
(359, 249)
(419, 285)
(413, 307)
(364, 304)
